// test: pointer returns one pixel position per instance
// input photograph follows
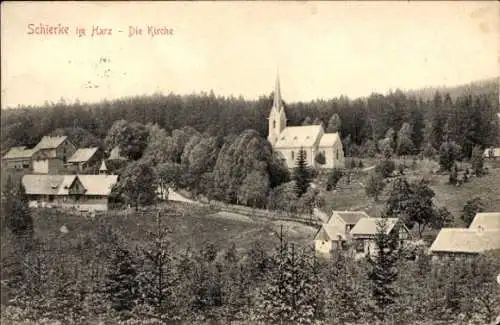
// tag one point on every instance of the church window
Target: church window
(274, 124)
(293, 155)
(305, 154)
(337, 155)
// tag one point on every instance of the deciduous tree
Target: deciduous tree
(375, 185)
(470, 209)
(334, 124)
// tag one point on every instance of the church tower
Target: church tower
(277, 117)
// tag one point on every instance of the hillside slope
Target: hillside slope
(353, 196)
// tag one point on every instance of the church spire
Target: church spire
(277, 93)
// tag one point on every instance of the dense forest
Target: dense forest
(464, 114)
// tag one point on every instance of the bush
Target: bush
(333, 179)
(385, 168)
(320, 158)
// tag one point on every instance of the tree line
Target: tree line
(467, 119)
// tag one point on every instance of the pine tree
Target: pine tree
(383, 272)
(302, 173)
(18, 217)
(453, 174)
(343, 302)
(291, 296)
(121, 285)
(158, 278)
(449, 152)
(477, 161)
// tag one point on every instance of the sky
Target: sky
(321, 49)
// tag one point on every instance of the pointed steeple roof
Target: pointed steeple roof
(103, 167)
(277, 93)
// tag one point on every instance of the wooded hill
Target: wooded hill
(362, 119)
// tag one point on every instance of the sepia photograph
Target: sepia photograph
(250, 163)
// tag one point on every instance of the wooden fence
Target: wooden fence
(310, 220)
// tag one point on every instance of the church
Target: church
(322, 150)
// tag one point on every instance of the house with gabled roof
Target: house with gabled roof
(482, 235)
(330, 237)
(81, 192)
(347, 218)
(365, 231)
(51, 154)
(115, 154)
(464, 242)
(18, 158)
(84, 158)
(486, 220)
(492, 153)
(335, 232)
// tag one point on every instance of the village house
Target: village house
(115, 155)
(81, 192)
(330, 237)
(18, 158)
(335, 231)
(366, 229)
(289, 140)
(83, 159)
(51, 154)
(492, 153)
(482, 235)
(486, 220)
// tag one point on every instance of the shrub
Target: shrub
(333, 179)
(386, 167)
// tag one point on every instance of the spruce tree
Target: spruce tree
(158, 277)
(453, 174)
(292, 293)
(121, 284)
(344, 299)
(477, 161)
(18, 217)
(383, 272)
(302, 173)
